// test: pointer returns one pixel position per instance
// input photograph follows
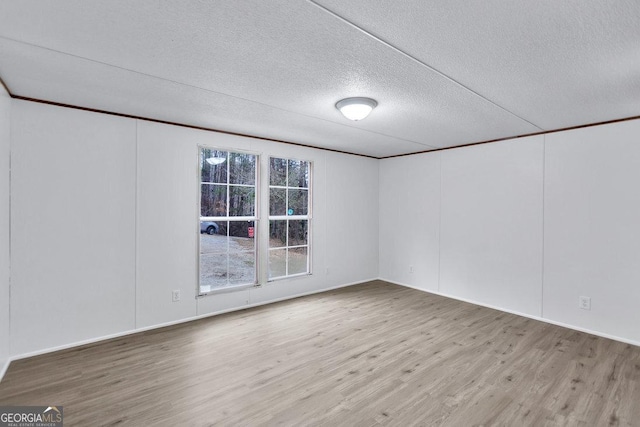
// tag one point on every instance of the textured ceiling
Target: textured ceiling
(444, 73)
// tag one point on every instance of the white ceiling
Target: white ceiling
(444, 72)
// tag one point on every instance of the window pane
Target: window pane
(277, 234)
(213, 200)
(277, 171)
(277, 201)
(241, 236)
(242, 168)
(213, 271)
(213, 237)
(297, 232)
(298, 202)
(213, 166)
(298, 174)
(227, 248)
(298, 261)
(277, 263)
(242, 268)
(241, 201)
(289, 238)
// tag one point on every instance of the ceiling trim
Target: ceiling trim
(418, 61)
(546, 132)
(129, 116)
(166, 122)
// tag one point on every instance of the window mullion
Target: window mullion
(228, 180)
(228, 212)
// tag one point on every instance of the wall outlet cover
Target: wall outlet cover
(175, 296)
(584, 303)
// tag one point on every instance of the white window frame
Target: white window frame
(308, 217)
(255, 218)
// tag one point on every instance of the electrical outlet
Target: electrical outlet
(327, 271)
(411, 269)
(584, 303)
(175, 295)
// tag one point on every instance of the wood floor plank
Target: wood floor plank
(375, 354)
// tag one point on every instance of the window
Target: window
(289, 217)
(227, 220)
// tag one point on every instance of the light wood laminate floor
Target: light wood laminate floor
(372, 354)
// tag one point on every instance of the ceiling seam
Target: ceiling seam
(418, 61)
(215, 92)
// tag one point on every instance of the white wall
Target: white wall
(106, 225)
(592, 228)
(410, 220)
(569, 199)
(5, 134)
(73, 226)
(351, 211)
(491, 224)
(166, 235)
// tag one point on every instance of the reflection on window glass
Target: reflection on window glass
(242, 236)
(298, 174)
(289, 221)
(213, 271)
(298, 202)
(213, 200)
(227, 242)
(245, 268)
(213, 166)
(297, 260)
(278, 201)
(277, 171)
(278, 234)
(297, 232)
(242, 201)
(242, 169)
(278, 263)
(218, 242)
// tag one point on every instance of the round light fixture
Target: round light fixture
(356, 108)
(216, 160)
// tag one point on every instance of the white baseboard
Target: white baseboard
(163, 325)
(506, 310)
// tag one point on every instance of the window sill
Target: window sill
(227, 289)
(293, 276)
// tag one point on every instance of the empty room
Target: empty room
(319, 213)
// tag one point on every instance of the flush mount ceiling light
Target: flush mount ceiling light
(216, 160)
(356, 108)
